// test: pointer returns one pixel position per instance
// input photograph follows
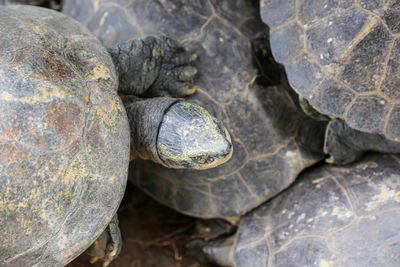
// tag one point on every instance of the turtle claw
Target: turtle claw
(187, 73)
(189, 90)
(111, 254)
(181, 89)
(184, 58)
(176, 72)
(178, 89)
(108, 245)
(112, 250)
(93, 260)
(106, 263)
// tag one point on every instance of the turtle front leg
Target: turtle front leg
(108, 245)
(154, 66)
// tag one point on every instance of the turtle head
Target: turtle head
(190, 137)
(176, 133)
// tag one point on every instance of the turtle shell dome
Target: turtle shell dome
(64, 138)
(343, 57)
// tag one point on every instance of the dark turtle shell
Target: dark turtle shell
(343, 57)
(331, 216)
(273, 141)
(64, 138)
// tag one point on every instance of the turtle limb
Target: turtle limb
(345, 145)
(176, 133)
(218, 251)
(154, 66)
(213, 242)
(108, 244)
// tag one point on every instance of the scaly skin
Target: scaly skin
(344, 144)
(176, 134)
(153, 66)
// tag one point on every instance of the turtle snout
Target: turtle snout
(190, 137)
(219, 150)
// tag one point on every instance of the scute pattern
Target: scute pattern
(64, 138)
(273, 141)
(331, 216)
(288, 49)
(355, 44)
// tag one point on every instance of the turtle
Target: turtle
(272, 139)
(66, 136)
(342, 57)
(331, 216)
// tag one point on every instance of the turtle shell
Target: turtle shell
(64, 138)
(331, 216)
(343, 57)
(273, 141)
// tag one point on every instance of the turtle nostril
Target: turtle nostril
(202, 159)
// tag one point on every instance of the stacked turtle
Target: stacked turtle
(342, 57)
(64, 132)
(273, 140)
(325, 215)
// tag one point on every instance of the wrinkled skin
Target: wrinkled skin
(153, 66)
(345, 145)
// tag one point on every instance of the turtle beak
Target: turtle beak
(189, 137)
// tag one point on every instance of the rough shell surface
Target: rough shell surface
(64, 138)
(273, 141)
(331, 216)
(342, 56)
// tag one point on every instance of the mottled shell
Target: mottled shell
(273, 141)
(64, 138)
(331, 216)
(342, 56)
